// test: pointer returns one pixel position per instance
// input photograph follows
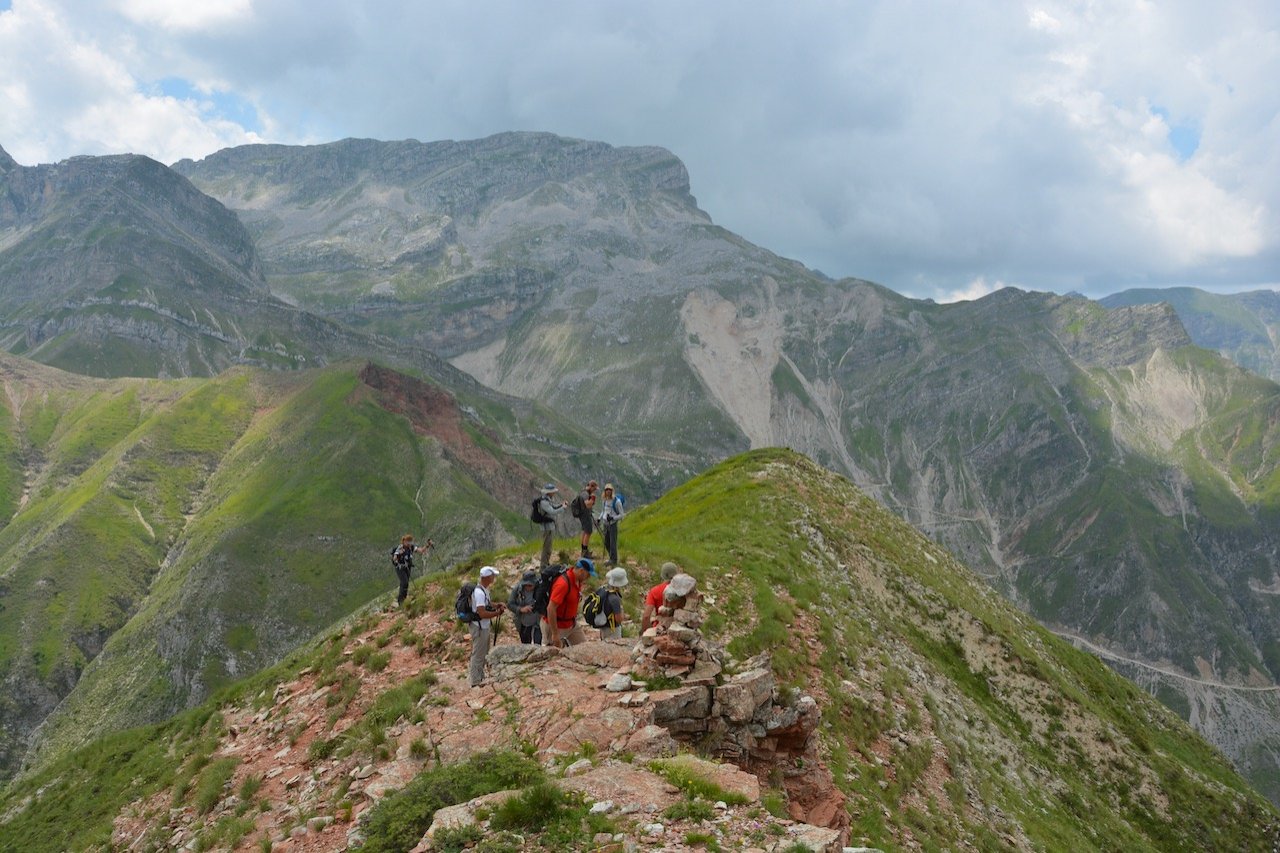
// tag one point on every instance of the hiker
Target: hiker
(652, 601)
(611, 602)
(610, 511)
(562, 606)
(522, 603)
(583, 509)
(481, 629)
(402, 560)
(545, 510)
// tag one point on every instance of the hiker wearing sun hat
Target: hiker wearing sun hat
(611, 603)
(545, 509)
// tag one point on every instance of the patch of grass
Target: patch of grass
(456, 839)
(532, 810)
(692, 783)
(399, 820)
(212, 782)
(689, 810)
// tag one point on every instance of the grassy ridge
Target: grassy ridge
(950, 720)
(908, 641)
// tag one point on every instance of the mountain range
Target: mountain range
(1094, 465)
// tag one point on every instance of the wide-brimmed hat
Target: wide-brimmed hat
(616, 577)
(530, 577)
(608, 487)
(669, 570)
(549, 489)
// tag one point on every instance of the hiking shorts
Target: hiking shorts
(586, 522)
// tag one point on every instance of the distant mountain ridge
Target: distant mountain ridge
(1244, 327)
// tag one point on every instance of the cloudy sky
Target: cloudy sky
(942, 149)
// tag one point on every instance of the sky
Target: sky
(944, 150)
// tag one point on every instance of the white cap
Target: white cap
(488, 572)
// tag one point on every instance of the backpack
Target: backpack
(542, 589)
(576, 509)
(593, 608)
(464, 606)
(536, 515)
(402, 557)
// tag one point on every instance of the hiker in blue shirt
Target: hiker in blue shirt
(610, 511)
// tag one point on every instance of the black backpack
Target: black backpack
(536, 515)
(593, 608)
(465, 609)
(402, 557)
(576, 508)
(542, 589)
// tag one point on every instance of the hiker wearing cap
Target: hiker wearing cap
(583, 508)
(402, 562)
(481, 629)
(610, 511)
(611, 602)
(562, 606)
(545, 510)
(521, 603)
(652, 601)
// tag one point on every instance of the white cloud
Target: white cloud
(185, 15)
(62, 93)
(975, 289)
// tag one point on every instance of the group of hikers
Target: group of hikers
(590, 510)
(546, 604)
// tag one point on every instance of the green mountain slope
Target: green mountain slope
(169, 537)
(1244, 327)
(949, 720)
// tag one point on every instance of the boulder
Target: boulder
(743, 694)
(682, 703)
(464, 814)
(652, 742)
(609, 654)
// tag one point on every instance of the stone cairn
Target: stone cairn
(675, 647)
(743, 716)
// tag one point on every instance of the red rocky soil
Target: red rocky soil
(555, 701)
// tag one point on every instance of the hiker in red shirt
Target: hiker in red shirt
(652, 601)
(562, 607)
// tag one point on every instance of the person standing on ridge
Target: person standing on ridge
(481, 629)
(521, 603)
(610, 511)
(402, 561)
(583, 509)
(562, 607)
(545, 510)
(652, 601)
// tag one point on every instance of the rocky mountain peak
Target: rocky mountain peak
(7, 163)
